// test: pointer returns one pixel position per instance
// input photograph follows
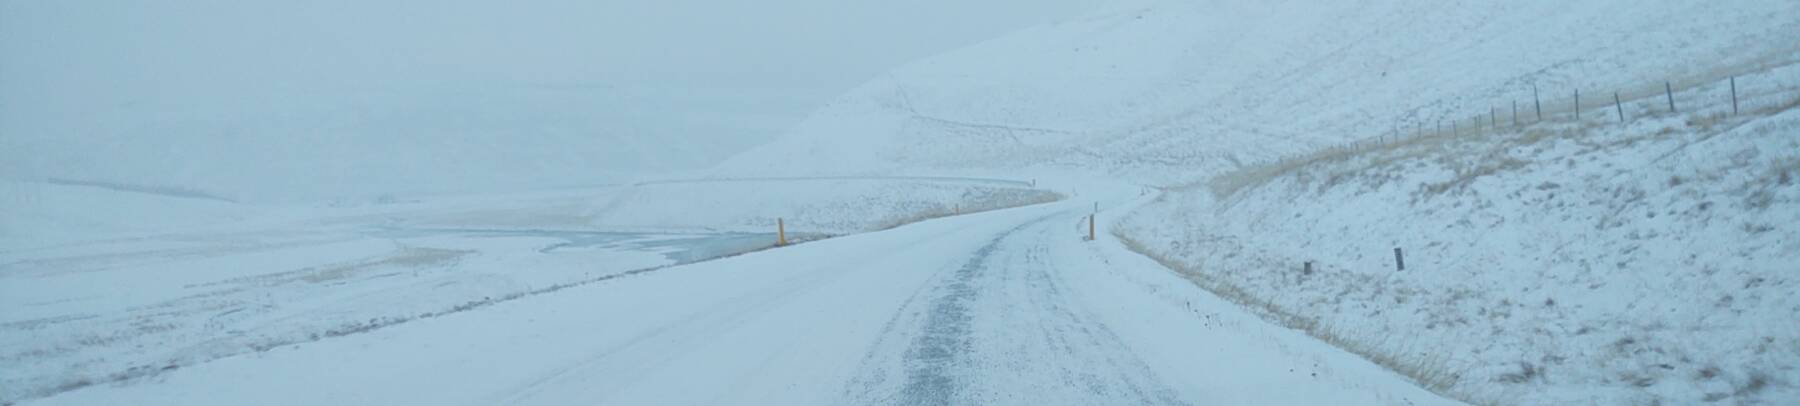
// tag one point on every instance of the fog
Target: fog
(305, 101)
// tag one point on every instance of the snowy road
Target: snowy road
(1005, 307)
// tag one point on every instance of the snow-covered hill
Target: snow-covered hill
(1562, 262)
(1656, 273)
(1173, 91)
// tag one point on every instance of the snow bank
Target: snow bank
(1567, 262)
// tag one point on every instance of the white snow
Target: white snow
(1564, 263)
(1220, 143)
(1168, 92)
(123, 298)
(1184, 94)
(813, 324)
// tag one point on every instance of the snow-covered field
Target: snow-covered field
(1002, 307)
(128, 298)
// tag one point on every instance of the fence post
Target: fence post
(1619, 106)
(1091, 226)
(1535, 102)
(1670, 91)
(1399, 261)
(1308, 269)
(1493, 123)
(1734, 110)
(1577, 104)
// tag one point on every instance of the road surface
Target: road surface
(1004, 307)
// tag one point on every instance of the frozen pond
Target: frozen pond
(678, 247)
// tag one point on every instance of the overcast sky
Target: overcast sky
(298, 100)
(64, 54)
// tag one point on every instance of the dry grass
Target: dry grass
(1465, 175)
(1560, 123)
(989, 202)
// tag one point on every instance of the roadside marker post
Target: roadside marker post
(1734, 107)
(1620, 106)
(1669, 90)
(780, 232)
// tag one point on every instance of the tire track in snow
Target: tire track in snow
(967, 347)
(654, 348)
(933, 355)
(1078, 335)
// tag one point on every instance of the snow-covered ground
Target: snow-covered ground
(1561, 262)
(123, 298)
(1651, 228)
(1167, 92)
(1566, 262)
(1004, 307)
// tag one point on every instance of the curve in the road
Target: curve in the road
(1002, 307)
(999, 328)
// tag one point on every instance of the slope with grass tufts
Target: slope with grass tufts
(1572, 262)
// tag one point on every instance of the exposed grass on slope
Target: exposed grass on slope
(973, 202)
(1577, 262)
(1428, 370)
(1561, 122)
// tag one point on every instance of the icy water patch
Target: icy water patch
(681, 248)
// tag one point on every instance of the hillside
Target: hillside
(1176, 91)
(1561, 261)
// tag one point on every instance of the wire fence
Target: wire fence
(1707, 98)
